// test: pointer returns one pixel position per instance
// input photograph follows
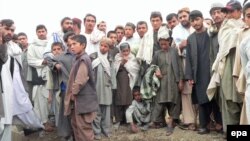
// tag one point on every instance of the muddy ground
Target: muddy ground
(124, 134)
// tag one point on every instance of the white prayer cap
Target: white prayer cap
(163, 33)
(214, 6)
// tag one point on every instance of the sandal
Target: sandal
(170, 131)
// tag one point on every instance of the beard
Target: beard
(7, 38)
(65, 30)
(185, 24)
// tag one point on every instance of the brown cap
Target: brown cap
(76, 21)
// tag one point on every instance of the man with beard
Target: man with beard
(66, 25)
(223, 73)
(218, 17)
(180, 34)
(37, 66)
(197, 70)
(16, 104)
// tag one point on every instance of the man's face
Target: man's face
(120, 34)
(156, 23)
(172, 22)
(23, 41)
(183, 18)
(217, 16)
(89, 23)
(41, 34)
(8, 32)
(247, 17)
(67, 26)
(141, 29)
(129, 32)
(197, 23)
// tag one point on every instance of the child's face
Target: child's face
(104, 48)
(113, 38)
(76, 47)
(57, 50)
(125, 52)
(137, 96)
(164, 44)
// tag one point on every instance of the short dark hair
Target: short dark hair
(245, 7)
(89, 15)
(136, 89)
(130, 25)
(21, 34)
(41, 26)
(171, 16)
(67, 35)
(156, 14)
(119, 27)
(194, 14)
(140, 23)
(64, 19)
(80, 39)
(7, 22)
(57, 44)
(111, 32)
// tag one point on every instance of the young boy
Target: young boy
(113, 50)
(53, 84)
(170, 75)
(126, 70)
(138, 112)
(81, 100)
(101, 62)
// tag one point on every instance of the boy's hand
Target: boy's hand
(158, 74)
(181, 85)
(183, 44)
(124, 61)
(58, 66)
(72, 97)
(191, 82)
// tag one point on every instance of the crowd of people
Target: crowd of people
(190, 72)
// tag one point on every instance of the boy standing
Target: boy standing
(81, 99)
(101, 63)
(170, 75)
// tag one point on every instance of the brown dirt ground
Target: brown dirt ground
(124, 134)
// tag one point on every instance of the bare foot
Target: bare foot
(134, 128)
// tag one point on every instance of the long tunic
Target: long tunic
(168, 91)
(203, 71)
(124, 94)
(245, 55)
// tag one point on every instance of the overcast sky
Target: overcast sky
(27, 14)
